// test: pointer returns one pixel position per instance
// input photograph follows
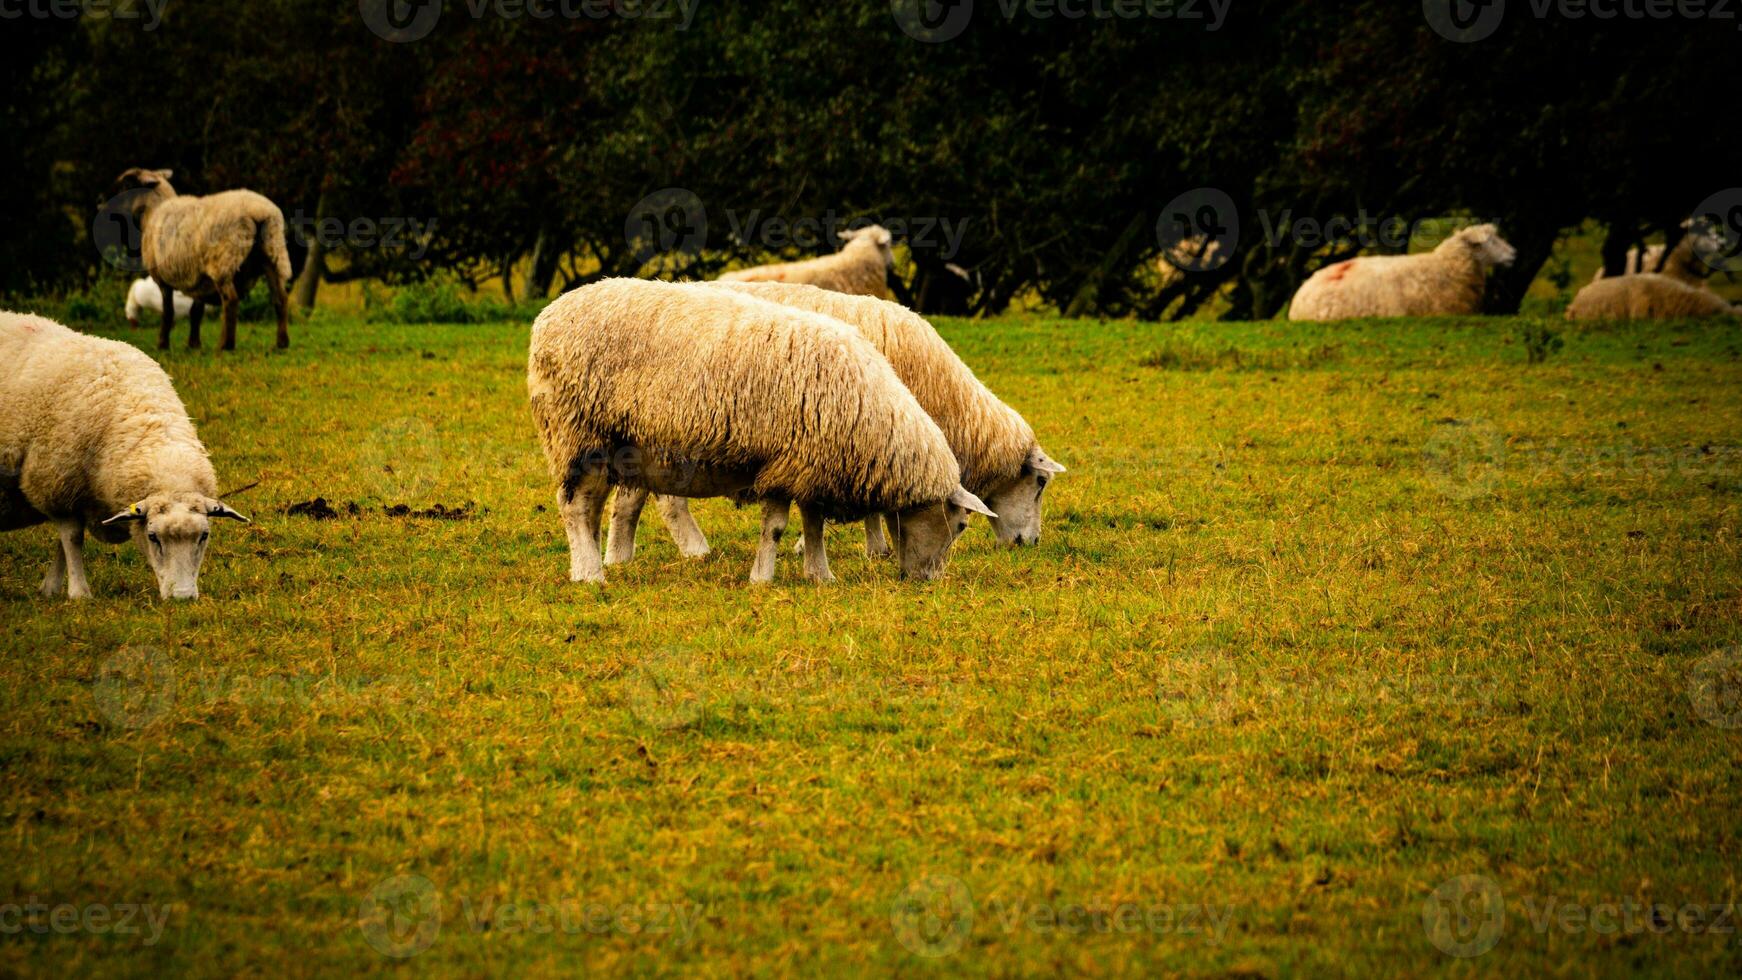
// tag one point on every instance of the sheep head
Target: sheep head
(874, 236)
(923, 534)
(1018, 502)
(137, 189)
(172, 529)
(1484, 244)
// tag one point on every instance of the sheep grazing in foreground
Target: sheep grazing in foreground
(696, 392)
(212, 248)
(145, 295)
(1000, 460)
(1448, 281)
(861, 267)
(1647, 296)
(92, 436)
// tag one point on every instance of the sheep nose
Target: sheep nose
(184, 594)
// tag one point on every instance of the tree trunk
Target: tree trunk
(1507, 286)
(544, 265)
(1087, 301)
(314, 265)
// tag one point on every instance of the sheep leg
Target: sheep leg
(72, 546)
(55, 582)
(232, 307)
(675, 512)
(894, 530)
(195, 316)
(166, 321)
(774, 517)
(280, 304)
(816, 559)
(625, 515)
(876, 545)
(581, 513)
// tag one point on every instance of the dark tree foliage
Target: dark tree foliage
(1052, 144)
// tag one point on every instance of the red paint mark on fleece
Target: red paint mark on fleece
(1336, 272)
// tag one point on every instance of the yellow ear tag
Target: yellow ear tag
(138, 509)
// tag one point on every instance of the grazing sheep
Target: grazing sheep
(93, 436)
(212, 248)
(1684, 263)
(1646, 296)
(1000, 460)
(861, 267)
(1447, 281)
(699, 392)
(144, 295)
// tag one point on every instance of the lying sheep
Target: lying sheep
(861, 267)
(1000, 460)
(212, 248)
(1448, 281)
(697, 392)
(1646, 296)
(93, 436)
(145, 295)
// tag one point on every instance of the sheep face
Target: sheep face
(172, 529)
(1485, 243)
(924, 533)
(878, 236)
(140, 188)
(1018, 502)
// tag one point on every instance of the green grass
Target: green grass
(1323, 618)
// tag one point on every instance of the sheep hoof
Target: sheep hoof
(878, 550)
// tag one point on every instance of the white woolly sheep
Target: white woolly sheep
(145, 295)
(1646, 296)
(1445, 282)
(700, 392)
(861, 267)
(1000, 460)
(212, 248)
(93, 436)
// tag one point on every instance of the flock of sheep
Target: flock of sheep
(799, 383)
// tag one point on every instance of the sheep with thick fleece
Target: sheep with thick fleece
(212, 248)
(1647, 296)
(92, 436)
(1000, 460)
(698, 392)
(145, 295)
(861, 267)
(1448, 281)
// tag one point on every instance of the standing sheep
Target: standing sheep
(1000, 460)
(91, 428)
(861, 267)
(212, 248)
(1445, 282)
(1647, 296)
(704, 393)
(144, 295)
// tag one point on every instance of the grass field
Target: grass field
(1372, 648)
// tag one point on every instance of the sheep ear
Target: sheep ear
(1040, 462)
(883, 236)
(218, 509)
(848, 235)
(967, 501)
(165, 174)
(131, 514)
